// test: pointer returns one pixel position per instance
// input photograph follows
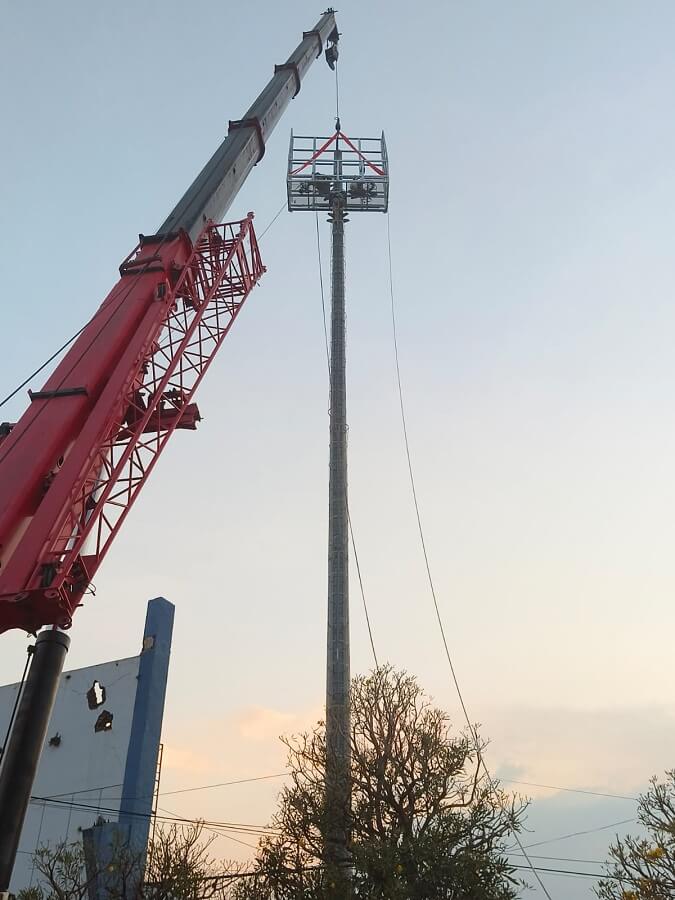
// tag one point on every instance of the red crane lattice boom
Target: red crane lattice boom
(106, 413)
(73, 465)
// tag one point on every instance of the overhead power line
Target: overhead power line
(186, 820)
(569, 872)
(566, 859)
(217, 832)
(553, 787)
(206, 787)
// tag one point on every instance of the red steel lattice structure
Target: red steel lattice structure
(100, 423)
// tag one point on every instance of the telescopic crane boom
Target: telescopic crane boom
(73, 464)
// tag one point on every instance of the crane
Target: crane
(73, 465)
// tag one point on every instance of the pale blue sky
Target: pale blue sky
(532, 152)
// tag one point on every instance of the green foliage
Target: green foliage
(426, 822)
(178, 867)
(61, 871)
(644, 868)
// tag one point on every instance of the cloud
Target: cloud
(605, 750)
(257, 723)
(609, 750)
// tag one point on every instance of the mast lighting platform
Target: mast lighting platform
(322, 169)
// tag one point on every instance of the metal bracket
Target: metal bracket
(317, 35)
(292, 67)
(64, 392)
(250, 123)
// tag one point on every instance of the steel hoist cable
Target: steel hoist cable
(427, 565)
(17, 699)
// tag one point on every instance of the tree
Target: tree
(644, 868)
(178, 867)
(426, 821)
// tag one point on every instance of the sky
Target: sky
(532, 209)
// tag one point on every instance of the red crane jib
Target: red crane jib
(72, 466)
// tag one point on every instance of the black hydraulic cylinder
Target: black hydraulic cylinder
(24, 747)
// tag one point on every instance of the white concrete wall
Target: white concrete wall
(87, 767)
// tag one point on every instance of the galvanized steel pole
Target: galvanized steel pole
(338, 731)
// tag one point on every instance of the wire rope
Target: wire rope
(29, 653)
(567, 790)
(267, 228)
(573, 834)
(74, 337)
(427, 565)
(118, 306)
(44, 365)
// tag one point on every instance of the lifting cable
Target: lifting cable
(118, 306)
(349, 516)
(17, 700)
(471, 727)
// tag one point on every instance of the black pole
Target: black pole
(24, 747)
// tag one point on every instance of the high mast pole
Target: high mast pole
(338, 722)
(338, 175)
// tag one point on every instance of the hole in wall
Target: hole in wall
(104, 721)
(96, 695)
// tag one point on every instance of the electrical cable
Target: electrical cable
(29, 653)
(219, 784)
(203, 787)
(567, 859)
(349, 517)
(240, 827)
(553, 787)
(219, 833)
(44, 364)
(86, 325)
(132, 283)
(221, 829)
(439, 618)
(564, 837)
(262, 234)
(597, 875)
(222, 784)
